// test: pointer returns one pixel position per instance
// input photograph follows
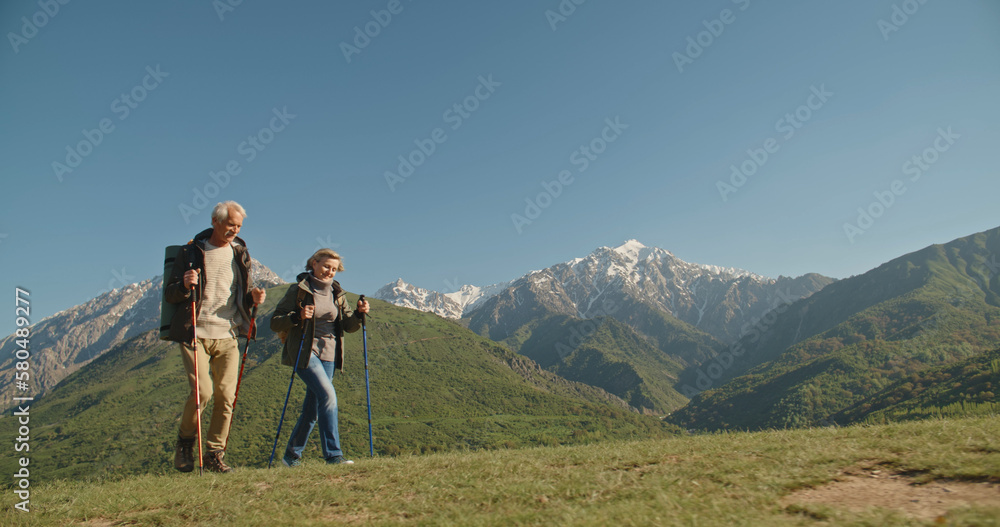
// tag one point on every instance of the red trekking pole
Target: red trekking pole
(243, 363)
(194, 345)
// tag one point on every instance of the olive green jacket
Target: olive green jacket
(286, 321)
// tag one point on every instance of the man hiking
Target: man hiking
(210, 283)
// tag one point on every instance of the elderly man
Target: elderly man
(211, 274)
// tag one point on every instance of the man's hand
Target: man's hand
(258, 295)
(363, 306)
(190, 278)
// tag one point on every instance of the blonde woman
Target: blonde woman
(314, 315)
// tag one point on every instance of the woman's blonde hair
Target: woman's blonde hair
(323, 254)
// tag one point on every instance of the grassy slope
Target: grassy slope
(615, 358)
(930, 308)
(605, 353)
(435, 386)
(721, 479)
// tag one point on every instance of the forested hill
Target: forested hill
(841, 347)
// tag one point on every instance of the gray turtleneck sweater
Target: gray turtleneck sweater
(324, 343)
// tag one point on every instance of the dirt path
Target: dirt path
(860, 489)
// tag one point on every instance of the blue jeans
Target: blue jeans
(320, 404)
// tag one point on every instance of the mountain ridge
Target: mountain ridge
(729, 296)
(64, 342)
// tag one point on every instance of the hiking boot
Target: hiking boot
(290, 461)
(214, 462)
(184, 454)
(338, 460)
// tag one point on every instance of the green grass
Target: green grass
(717, 479)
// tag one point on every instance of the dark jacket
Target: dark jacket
(286, 320)
(192, 256)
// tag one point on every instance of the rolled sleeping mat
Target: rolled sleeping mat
(167, 309)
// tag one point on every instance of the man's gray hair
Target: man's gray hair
(221, 210)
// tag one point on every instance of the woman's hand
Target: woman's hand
(363, 306)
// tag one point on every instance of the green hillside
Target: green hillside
(965, 388)
(435, 386)
(605, 353)
(931, 472)
(678, 340)
(931, 308)
(637, 354)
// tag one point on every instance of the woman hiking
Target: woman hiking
(314, 316)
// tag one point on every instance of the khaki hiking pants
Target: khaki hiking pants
(218, 372)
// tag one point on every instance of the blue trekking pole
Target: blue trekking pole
(290, 382)
(368, 391)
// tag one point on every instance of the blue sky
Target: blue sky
(576, 126)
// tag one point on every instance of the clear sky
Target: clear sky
(531, 132)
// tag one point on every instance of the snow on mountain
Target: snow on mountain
(470, 297)
(719, 300)
(262, 276)
(449, 305)
(403, 294)
(70, 339)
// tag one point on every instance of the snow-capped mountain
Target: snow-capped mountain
(70, 339)
(411, 296)
(448, 305)
(717, 300)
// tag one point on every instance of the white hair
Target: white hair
(221, 210)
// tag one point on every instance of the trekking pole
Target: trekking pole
(368, 391)
(197, 388)
(243, 363)
(292, 380)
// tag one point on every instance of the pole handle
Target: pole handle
(364, 316)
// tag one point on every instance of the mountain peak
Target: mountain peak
(630, 245)
(635, 251)
(448, 305)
